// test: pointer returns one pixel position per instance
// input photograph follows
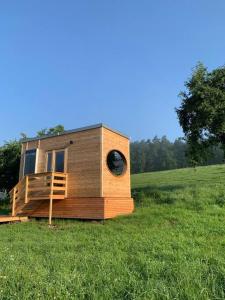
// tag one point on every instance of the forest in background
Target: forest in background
(159, 154)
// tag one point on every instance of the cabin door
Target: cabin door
(56, 161)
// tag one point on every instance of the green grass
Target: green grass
(172, 247)
(187, 188)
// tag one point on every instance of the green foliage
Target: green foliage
(161, 154)
(165, 250)
(9, 164)
(5, 206)
(202, 112)
(51, 131)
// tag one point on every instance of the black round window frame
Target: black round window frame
(125, 163)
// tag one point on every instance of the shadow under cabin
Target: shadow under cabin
(82, 173)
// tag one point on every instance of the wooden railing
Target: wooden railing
(46, 185)
(42, 186)
(17, 196)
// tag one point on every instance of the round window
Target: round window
(116, 162)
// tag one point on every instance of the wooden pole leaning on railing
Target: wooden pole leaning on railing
(51, 199)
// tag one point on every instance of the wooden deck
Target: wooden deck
(6, 219)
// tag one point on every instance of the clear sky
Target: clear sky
(118, 62)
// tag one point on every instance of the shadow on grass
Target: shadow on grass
(144, 196)
(164, 188)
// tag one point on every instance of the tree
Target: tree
(9, 164)
(158, 154)
(53, 130)
(202, 112)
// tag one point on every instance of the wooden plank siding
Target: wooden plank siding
(117, 206)
(81, 208)
(115, 186)
(83, 160)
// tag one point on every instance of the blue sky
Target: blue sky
(122, 63)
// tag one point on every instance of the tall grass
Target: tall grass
(172, 247)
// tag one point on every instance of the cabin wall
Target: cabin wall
(115, 186)
(83, 160)
(81, 208)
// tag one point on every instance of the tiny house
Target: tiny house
(82, 173)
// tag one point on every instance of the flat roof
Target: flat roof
(73, 131)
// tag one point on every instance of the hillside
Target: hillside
(190, 188)
(183, 177)
(172, 247)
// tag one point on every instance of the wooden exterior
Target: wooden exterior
(87, 189)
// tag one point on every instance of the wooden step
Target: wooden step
(54, 197)
(6, 219)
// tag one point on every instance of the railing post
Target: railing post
(26, 189)
(14, 202)
(66, 185)
(51, 199)
(50, 211)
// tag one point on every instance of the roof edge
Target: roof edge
(74, 131)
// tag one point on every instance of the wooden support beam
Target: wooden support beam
(14, 202)
(66, 185)
(51, 201)
(26, 189)
(50, 211)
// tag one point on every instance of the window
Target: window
(59, 161)
(116, 162)
(29, 162)
(55, 161)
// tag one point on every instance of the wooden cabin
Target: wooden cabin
(82, 173)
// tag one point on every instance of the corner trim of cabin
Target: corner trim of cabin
(101, 162)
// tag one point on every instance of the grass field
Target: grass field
(172, 247)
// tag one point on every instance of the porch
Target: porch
(47, 186)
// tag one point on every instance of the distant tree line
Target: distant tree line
(159, 154)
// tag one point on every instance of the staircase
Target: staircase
(26, 195)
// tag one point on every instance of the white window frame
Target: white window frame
(36, 160)
(65, 150)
